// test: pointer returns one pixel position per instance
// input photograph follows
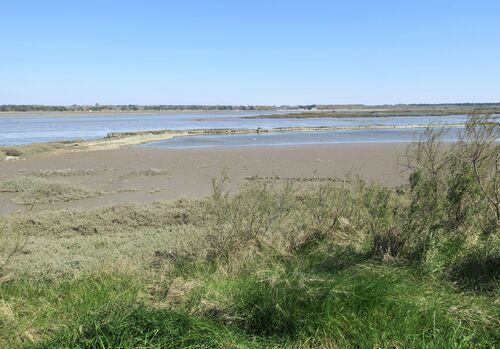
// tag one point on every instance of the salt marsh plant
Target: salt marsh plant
(10, 245)
(33, 190)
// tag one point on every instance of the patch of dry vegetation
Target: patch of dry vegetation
(32, 190)
(11, 243)
(65, 243)
(39, 148)
(67, 172)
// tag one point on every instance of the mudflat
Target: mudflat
(132, 174)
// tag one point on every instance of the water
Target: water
(294, 138)
(43, 127)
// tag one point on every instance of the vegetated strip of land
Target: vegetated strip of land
(379, 112)
(121, 139)
(445, 108)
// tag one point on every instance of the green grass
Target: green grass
(142, 327)
(100, 310)
(34, 310)
(362, 306)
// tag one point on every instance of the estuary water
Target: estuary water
(22, 128)
(302, 138)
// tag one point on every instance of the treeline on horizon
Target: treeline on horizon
(128, 107)
(195, 107)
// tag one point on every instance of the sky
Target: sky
(249, 52)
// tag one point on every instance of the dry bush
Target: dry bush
(38, 148)
(237, 221)
(267, 221)
(332, 211)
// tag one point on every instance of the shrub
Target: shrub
(12, 152)
(237, 221)
(453, 201)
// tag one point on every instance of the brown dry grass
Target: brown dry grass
(32, 190)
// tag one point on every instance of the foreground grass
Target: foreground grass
(98, 311)
(364, 305)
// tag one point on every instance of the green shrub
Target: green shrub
(453, 199)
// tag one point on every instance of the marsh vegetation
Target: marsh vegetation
(334, 264)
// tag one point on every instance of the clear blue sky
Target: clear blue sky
(249, 52)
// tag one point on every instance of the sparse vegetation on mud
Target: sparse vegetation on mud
(33, 190)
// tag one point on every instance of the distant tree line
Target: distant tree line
(128, 107)
(196, 107)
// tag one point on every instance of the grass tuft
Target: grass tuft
(39, 191)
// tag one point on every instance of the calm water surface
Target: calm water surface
(24, 128)
(294, 138)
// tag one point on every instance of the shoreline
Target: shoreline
(117, 140)
(339, 114)
(140, 175)
(71, 112)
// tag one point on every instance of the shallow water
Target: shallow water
(22, 128)
(295, 138)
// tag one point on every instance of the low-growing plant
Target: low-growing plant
(33, 190)
(10, 245)
(12, 152)
(133, 326)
